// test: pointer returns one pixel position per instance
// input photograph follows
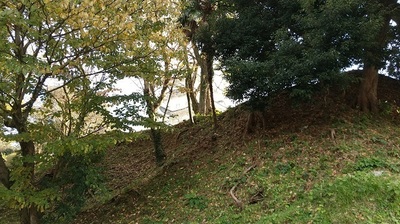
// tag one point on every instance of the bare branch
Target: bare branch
(35, 94)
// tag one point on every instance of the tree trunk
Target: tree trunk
(190, 95)
(155, 132)
(367, 96)
(210, 76)
(255, 120)
(158, 146)
(204, 100)
(28, 152)
(189, 107)
(190, 81)
(195, 103)
(4, 174)
(204, 104)
(29, 215)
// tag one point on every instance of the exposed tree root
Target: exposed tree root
(238, 202)
(180, 134)
(257, 197)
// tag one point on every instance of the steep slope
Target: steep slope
(316, 161)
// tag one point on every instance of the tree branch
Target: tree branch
(35, 94)
(69, 111)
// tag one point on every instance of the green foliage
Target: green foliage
(201, 119)
(59, 62)
(267, 53)
(284, 168)
(63, 188)
(195, 201)
(83, 180)
(381, 193)
(270, 46)
(369, 164)
(378, 140)
(22, 194)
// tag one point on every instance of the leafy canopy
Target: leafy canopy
(269, 46)
(59, 61)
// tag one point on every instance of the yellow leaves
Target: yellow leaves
(8, 107)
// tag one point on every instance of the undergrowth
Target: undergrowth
(303, 177)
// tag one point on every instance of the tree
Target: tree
(197, 21)
(71, 131)
(163, 64)
(249, 42)
(6, 150)
(364, 34)
(292, 45)
(247, 37)
(4, 174)
(70, 43)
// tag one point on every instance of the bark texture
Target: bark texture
(4, 174)
(256, 119)
(367, 96)
(152, 106)
(29, 215)
(210, 77)
(367, 99)
(158, 146)
(204, 104)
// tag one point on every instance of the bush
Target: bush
(195, 201)
(369, 164)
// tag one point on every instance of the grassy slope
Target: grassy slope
(318, 162)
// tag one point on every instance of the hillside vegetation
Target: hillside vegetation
(319, 161)
(313, 141)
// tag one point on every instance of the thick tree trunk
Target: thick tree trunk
(367, 96)
(28, 152)
(204, 99)
(4, 174)
(29, 215)
(204, 104)
(158, 146)
(256, 119)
